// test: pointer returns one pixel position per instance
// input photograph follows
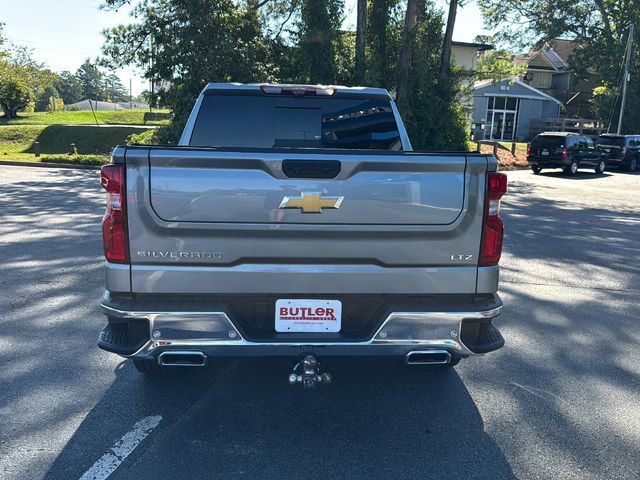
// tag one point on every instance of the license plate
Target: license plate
(298, 315)
(544, 152)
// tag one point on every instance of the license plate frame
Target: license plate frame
(306, 315)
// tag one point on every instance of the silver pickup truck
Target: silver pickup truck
(297, 221)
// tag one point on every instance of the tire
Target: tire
(633, 164)
(148, 366)
(536, 170)
(600, 168)
(572, 169)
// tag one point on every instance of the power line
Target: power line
(49, 27)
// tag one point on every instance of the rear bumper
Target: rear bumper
(545, 162)
(460, 329)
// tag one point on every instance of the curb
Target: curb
(50, 165)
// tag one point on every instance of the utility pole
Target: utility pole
(130, 96)
(626, 78)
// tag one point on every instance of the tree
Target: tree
(445, 62)
(91, 81)
(46, 101)
(15, 93)
(361, 28)
(383, 37)
(22, 79)
(187, 44)
(114, 90)
(414, 9)
(69, 88)
(318, 32)
(599, 28)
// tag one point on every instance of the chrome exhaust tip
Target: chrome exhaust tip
(428, 357)
(187, 358)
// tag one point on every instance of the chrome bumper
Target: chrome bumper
(215, 333)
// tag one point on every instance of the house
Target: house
(465, 54)
(549, 70)
(504, 110)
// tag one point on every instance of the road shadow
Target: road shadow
(583, 174)
(380, 419)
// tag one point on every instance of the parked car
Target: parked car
(297, 221)
(565, 150)
(622, 150)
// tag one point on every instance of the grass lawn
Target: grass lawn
(105, 117)
(17, 142)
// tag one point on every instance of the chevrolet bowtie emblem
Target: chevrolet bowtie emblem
(311, 202)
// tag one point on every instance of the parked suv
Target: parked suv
(568, 151)
(621, 150)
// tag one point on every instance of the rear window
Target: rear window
(264, 121)
(549, 141)
(612, 141)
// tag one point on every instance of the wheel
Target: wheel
(600, 168)
(148, 366)
(572, 169)
(536, 169)
(633, 164)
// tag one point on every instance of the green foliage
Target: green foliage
(189, 44)
(90, 79)
(44, 101)
(148, 137)
(69, 88)
(77, 159)
(384, 32)
(15, 91)
(57, 139)
(498, 65)
(599, 27)
(75, 117)
(434, 118)
(317, 35)
(183, 45)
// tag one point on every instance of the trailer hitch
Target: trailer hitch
(307, 373)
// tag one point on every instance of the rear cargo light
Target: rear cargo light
(298, 90)
(565, 152)
(492, 227)
(114, 222)
(528, 149)
(624, 150)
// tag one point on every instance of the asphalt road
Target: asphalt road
(561, 400)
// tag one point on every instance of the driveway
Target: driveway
(561, 400)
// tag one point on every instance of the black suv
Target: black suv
(568, 151)
(621, 150)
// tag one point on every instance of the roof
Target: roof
(547, 58)
(258, 86)
(480, 46)
(564, 48)
(560, 134)
(484, 83)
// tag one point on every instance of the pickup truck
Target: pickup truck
(297, 221)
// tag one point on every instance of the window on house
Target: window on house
(502, 118)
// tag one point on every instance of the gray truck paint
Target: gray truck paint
(206, 221)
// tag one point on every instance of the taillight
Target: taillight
(565, 152)
(114, 222)
(528, 149)
(298, 90)
(492, 227)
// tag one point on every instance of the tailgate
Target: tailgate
(384, 189)
(210, 221)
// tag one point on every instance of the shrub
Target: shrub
(77, 159)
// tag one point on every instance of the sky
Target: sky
(63, 33)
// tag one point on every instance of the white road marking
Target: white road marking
(111, 460)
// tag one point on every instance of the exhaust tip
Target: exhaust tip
(182, 359)
(428, 357)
